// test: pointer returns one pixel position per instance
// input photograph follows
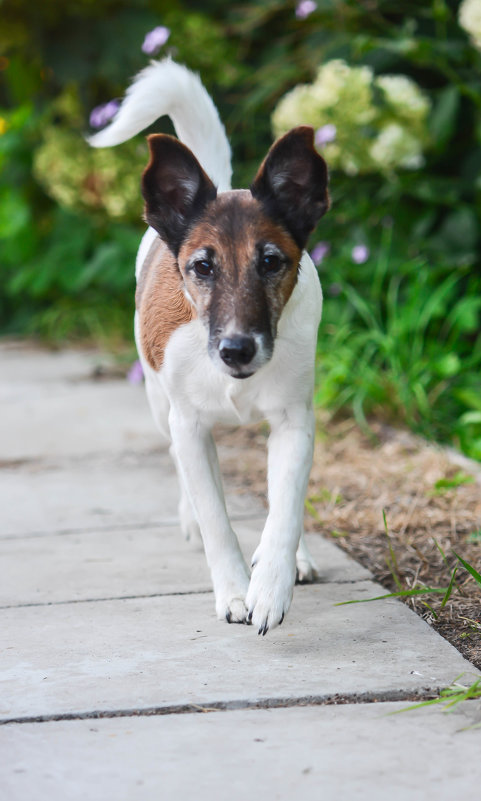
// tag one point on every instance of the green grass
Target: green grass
(450, 697)
(444, 484)
(403, 344)
(412, 592)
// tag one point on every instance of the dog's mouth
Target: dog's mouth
(242, 375)
(240, 355)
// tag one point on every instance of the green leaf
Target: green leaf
(444, 116)
(449, 590)
(444, 484)
(470, 418)
(469, 568)
(311, 510)
(469, 397)
(448, 365)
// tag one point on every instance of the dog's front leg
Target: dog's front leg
(197, 460)
(274, 562)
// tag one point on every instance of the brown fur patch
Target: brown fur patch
(233, 227)
(160, 301)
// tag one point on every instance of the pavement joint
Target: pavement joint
(371, 697)
(106, 598)
(114, 527)
(151, 595)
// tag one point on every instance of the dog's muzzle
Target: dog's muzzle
(237, 352)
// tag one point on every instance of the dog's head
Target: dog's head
(238, 252)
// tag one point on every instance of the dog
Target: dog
(228, 304)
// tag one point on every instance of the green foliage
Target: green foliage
(93, 182)
(443, 485)
(404, 346)
(401, 331)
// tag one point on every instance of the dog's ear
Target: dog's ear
(292, 183)
(175, 188)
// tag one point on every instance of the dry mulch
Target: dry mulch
(354, 478)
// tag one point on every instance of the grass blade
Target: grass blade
(450, 697)
(469, 568)
(450, 589)
(400, 594)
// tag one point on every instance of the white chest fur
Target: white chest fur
(199, 388)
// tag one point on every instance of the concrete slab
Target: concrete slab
(97, 492)
(171, 650)
(118, 563)
(24, 363)
(329, 752)
(74, 420)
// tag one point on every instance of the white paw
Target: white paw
(230, 597)
(270, 590)
(307, 571)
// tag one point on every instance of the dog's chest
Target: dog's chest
(195, 383)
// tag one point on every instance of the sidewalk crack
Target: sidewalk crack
(332, 699)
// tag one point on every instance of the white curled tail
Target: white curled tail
(165, 87)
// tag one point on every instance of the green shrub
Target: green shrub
(402, 319)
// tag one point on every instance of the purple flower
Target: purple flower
(334, 290)
(304, 8)
(155, 39)
(319, 251)
(327, 133)
(360, 254)
(101, 115)
(135, 374)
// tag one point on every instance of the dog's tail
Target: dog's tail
(165, 87)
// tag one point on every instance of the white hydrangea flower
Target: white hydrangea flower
(469, 18)
(296, 104)
(396, 147)
(338, 84)
(403, 95)
(374, 132)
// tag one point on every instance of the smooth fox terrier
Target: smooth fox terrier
(227, 310)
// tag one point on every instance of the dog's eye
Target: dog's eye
(203, 268)
(271, 263)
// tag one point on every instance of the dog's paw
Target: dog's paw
(230, 599)
(270, 590)
(232, 609)
(306, 570)
(236, 611)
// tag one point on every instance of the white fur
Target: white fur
(165, 87)
(190, 393)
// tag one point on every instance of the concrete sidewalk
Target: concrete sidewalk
(110, 647)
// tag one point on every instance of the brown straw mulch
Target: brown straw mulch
(354, 478)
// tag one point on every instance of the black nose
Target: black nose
(235, 351)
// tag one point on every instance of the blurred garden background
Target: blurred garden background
(393, 92)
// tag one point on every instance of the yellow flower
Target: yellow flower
(3, 126)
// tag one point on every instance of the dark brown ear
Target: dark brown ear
(292, 183)
(175, 188)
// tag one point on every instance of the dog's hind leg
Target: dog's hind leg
(160, 406)
(188, 522)
(307, 570)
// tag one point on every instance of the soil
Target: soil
(355, 476)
